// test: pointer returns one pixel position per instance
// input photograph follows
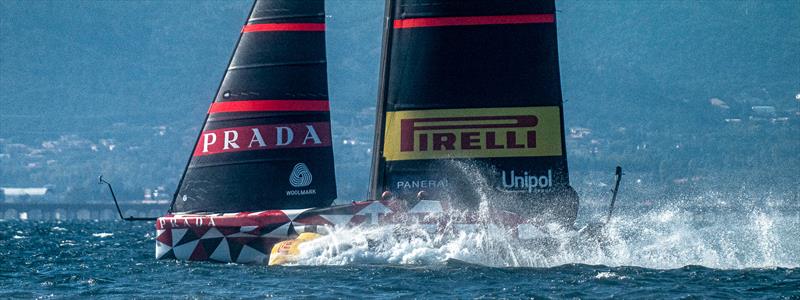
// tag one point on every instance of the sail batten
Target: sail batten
(269, 119)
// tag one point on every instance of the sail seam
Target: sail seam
(267, 65)
(243, 162)
(286, 17)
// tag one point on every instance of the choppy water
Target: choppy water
(670, 252)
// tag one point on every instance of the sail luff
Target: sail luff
(205, 120)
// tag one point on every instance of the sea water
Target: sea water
(672, 251)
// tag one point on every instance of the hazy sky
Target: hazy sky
(75, 67)
(114, 59)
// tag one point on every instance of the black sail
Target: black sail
(470, 105)
(266, 141)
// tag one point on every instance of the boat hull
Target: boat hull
(248, 237)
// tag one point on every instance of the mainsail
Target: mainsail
(266, 141)
(470, 96)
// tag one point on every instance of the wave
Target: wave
(661, 238)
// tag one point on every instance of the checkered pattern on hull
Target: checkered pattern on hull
(248, 237)
(237, 237)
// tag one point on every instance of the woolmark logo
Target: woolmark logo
(301, 176)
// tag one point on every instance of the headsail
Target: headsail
(266, 141)
(471, 90)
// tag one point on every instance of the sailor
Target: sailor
(389, 196)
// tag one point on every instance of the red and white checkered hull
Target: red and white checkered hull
(248, 237)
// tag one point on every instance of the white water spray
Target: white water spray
(669, 236)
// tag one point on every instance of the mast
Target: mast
(470, 98)
(378, 162)
(266, 141)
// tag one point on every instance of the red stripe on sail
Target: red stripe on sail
(476, 20)
(284, 27)
(269, 105)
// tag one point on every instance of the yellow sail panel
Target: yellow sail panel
(473, 133)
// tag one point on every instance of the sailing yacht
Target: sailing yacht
(469, 112)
